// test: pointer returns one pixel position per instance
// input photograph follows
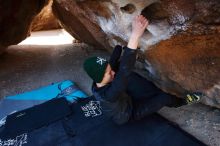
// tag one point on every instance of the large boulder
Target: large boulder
(190, 60)
(186, 63)
(16, 18)
(108, 22)
(181, 44)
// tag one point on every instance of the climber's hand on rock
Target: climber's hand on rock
(139, 24)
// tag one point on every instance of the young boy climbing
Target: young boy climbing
(115, 78)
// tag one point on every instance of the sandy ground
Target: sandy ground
(24, 68)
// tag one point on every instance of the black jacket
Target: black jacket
(113, 99)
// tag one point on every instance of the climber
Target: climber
(113, 78)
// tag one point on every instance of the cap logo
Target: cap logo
(100, 60)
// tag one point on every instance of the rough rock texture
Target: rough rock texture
(191, 30)
(15, 19)
(79, 23)
(189, 58)
(45, 20)
(108, 22)
(187, 63)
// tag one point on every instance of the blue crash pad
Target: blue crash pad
(25, 100)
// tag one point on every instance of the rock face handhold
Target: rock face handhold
(108, 22)
(15, 20)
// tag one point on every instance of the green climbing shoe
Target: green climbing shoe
(193, 97)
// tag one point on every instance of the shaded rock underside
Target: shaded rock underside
(180, 46)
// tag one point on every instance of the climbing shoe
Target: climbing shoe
(193, 97)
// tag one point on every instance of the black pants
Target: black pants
(147, 98)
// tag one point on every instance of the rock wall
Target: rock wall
(187, 63)
(108, 22)
(79, 20)
(45, 20)
(181, 44)
(16, 18)
(190, 59)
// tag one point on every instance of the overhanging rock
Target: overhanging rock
(181, 44)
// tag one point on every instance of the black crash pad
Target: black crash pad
(88, 125)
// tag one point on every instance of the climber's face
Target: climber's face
(109, 75)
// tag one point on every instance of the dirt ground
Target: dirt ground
(24, 68)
